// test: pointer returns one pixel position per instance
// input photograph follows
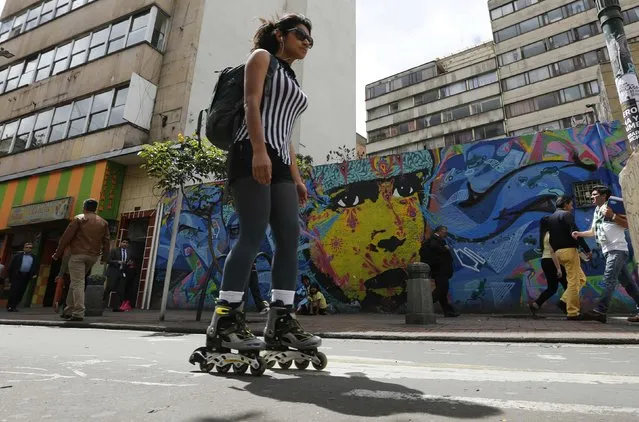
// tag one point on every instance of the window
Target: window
(427, 97)
(18, 24)
(631, 16)
(3, 76)
(509, 57)
(77, 3)
(59, 123)
(32, 18)
(454, 89)
(486, 105)
(560, 40)
(539, 74)
(29, 72)
(47, 11)
(492, 130)
(5, 28)
(24, 132)
(482, 80)
(520, 108)
(14, 76)
(575, 7)
(117, 111)
(571, 94)
(97, 48)
(590, 59)
(7, 137)
(514, 82)
(393, 107)
(564, 66)
(99, 111)
(534, 49)
(79, 112)
(461, 112)
(434, 119)
(506, 33)
(529, 25)
(62, 8)
(504, 10)
(61, 61)
(582, 191)
(41, 129)
(44, 65)
(79, 52)
(547, 101)
(522, 4)
(592, 88)
(138, 29)
(554, 15)
(118, 35)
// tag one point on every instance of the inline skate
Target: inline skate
(288, 343)
(228, 332)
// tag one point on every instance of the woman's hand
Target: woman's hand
(262, 167)
(559, 273)
(302, 193)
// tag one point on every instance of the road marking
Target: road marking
(530, 406)
(423, 372)
(79, 373)
(551, 357)
(154, 384)
(30, 368)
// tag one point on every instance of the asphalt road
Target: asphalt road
(82, 374)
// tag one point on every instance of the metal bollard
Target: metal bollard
(419, 296)
(93, 292)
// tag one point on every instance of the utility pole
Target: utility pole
(611, 20)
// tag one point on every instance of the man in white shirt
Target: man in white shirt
(609, 230)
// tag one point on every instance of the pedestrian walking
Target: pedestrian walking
(608, 228)
(116, 275)
(22, 269)
(440, 259)
(553, 271)
(88, 238)
(561, 225)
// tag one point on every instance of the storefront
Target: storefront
(38, 208)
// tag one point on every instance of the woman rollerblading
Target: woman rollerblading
(267, 190)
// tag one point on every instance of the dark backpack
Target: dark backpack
(226, 112)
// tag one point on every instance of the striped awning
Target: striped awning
(78, 183)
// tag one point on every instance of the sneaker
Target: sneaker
(595, 315)
(75, 319)
(634, 318)
(534, 307)
(562, 306)
(284, 330)
(575, 318)
(265, 307)
(451, 314)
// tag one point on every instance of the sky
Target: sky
(395, 35)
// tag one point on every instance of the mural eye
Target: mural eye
(348, 200)
(403, 190)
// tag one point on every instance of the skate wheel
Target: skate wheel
(206, 367)
(285, 365)
(301, 364)
(223, 369)
(259, 371)
(240, 369)
(270, 364)
(323, 361)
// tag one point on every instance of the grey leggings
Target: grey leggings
(258, 205)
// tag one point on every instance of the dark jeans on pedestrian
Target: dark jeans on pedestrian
(552, 281)
(19, 285)
(440, 294)
(616, 272)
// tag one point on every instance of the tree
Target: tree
(176, 164)
(341, 155)
(305, 165)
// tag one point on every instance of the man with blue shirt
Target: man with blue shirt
(21, 270)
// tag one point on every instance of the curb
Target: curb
(596, 339)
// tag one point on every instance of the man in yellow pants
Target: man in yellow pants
(562, 225)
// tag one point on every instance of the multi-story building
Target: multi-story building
(88, 82)
(549, 54)
(444, 102)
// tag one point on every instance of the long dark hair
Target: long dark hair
(265, 35)
(543, 229)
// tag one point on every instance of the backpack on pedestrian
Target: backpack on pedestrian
(226, 111)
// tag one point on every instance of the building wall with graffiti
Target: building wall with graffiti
(366, 220)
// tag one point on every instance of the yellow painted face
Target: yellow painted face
(368, 228)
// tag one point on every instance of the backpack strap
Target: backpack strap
(268, 83)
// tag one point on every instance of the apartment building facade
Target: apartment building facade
(549, 54)
(89, 82)
(448, 101)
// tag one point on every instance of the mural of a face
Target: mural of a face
(368, 230)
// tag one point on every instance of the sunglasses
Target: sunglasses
(302, 36)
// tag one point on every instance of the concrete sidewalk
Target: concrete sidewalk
(481, 328)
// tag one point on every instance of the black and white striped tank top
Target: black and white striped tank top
(286, 103)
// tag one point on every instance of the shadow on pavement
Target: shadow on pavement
(239, 418)
(358, 395)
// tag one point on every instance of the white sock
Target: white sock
(231, 297)
(286, 296)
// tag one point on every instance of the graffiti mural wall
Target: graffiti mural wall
(367, 219)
